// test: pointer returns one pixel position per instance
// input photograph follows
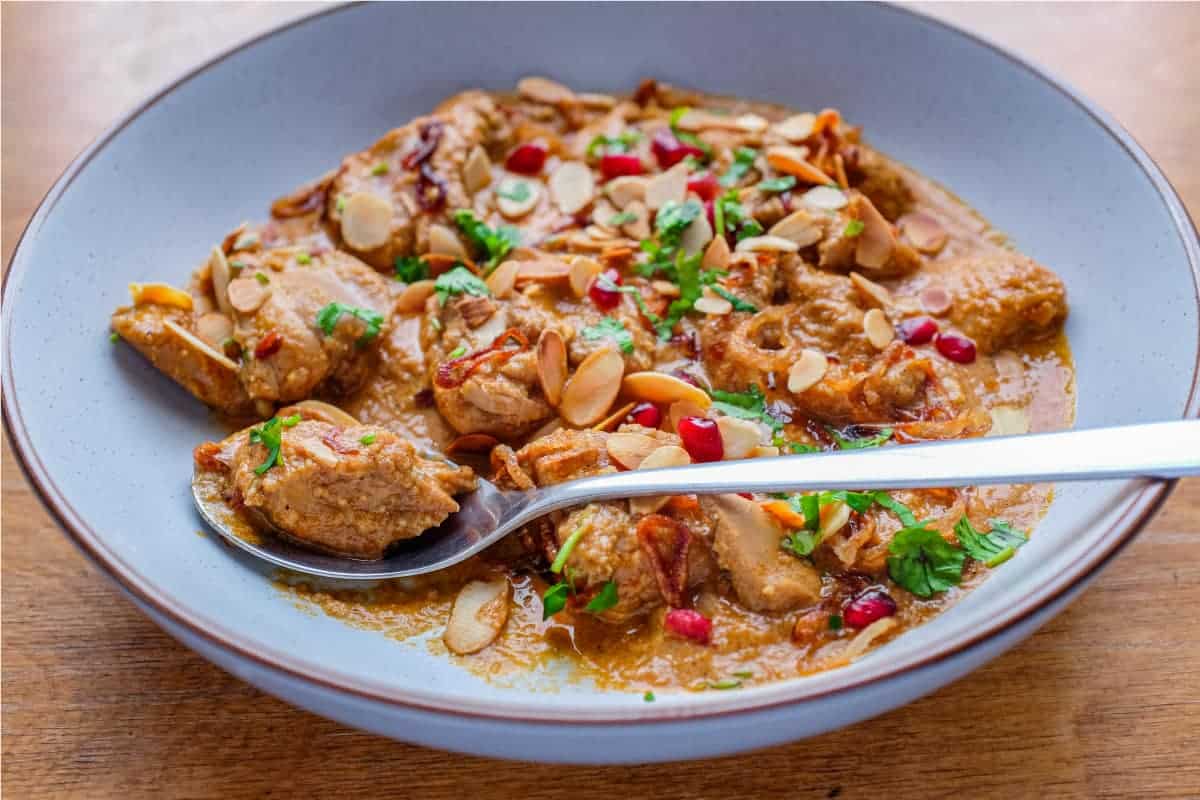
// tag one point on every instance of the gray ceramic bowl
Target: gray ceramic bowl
(107, 441)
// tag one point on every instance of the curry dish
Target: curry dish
(544, 285)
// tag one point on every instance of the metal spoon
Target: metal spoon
(1162, 450)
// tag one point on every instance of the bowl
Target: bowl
(106, 441)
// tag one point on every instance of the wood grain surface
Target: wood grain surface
(97, 702)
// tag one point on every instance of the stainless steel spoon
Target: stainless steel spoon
(1161, 450)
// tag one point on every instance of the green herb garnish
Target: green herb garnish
(459, 280)
(380, 169)
(687, 137)
(725, 683)
(743, 160)
(605, 599)
(519, 193)
(750, 404)
(270, 436)
(923, 562)
(554, 599)
(457, 352)
(624, 218)
(992, 548)
(800, 543)
(340, 204)
(844, 443)
(907, 518)
(610, 328)
(648, 697)
(303, 258)
(568, 545)
(729, 215)
(113, 337)
(674, 218)
(738, 303)
(853, 228)
(327, 320)
(835, 622)
(776, 185)
(493, 244)
(261, 278)
(367, 439)
(622, 143)
(411, 269)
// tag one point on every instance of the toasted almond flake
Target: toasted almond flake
(713, 305)
(859, 644)
(639, 228)
(600, 233)
(667, 187)
(665, 288)
(800, 227)
(596, 101)
(602, 213)
(160, 294)
(877, 241)
(503, 279)
(698, 120)
(413, 297)
(515, 209)
(322, 412)
(477, 170)
(828, 198)
(793, 161)
(221, 275)
(750, 123)
(572, 186)
(544, 90)
(626, 189)
(319, 451)
(717, 254)
(668, 455)
(659, 387)
(613, 420)
(478, 616)
(214, 328)
(935, 299)
(806, 371)
(925, 232)
(591, 390)
(544, 270)
(472, 443)
(764, 451)
(443, 241)
(1008, 421)
(366, 221)
(834, 517)
(766, 244)
(246, 295)
(583, 271)
(871, 292)
(795, 128)
(548, 428)
(190, 339)
(739, 437)
(552, 365)
(878, 329)
(680, 409)
(630, 449)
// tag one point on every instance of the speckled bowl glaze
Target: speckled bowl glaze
(107, 441)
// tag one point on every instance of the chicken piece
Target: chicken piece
(847, 234)
(330, 490)
(874, 176)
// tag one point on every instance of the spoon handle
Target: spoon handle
(1156, 450)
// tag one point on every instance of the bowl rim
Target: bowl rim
(1127, 517)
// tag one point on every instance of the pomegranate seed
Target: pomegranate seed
(919, 330)
(746, 495)
(670, 151)
(701, 438)
(689, 624)
(528, 159)
(957, 348)
(646, 414)
(603, 297)
(686, 377)
(614, 165)
(705, 186)
(867, 606)
(710, 212)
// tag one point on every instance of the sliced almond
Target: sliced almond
(806, 371)
(680, 409)
(766, 244)
(794, 161)
(552, 365)
(697, 120)
(665, 288)
(866, 637)
(1008, 421)
(503, 279)
(602, 213)
(834, 517)
(630, 449)
(659, 387)
(624, 190)
(596, 101)
(601, 233)
(764, 451)
(544, 90)
(871, 292)
(583, 272)
(572, 187)
(878, 329)
(697, 235)
(477, 170)
(544, 270)
(366, 221)
(591, 390)
(613, 420)
(713, 304)
(717, 254)
(322, 412)
(478, 616)
(530, 193)
(739, 437)
(639, 227)
(795, 128)
(935, 299)
(221, 275)
(443, 241)
(667, 187)
(877, 241)
(413, 298)
(925, 232)
(160, 294)
(214, 328)
(828, 198)
(666, 456)
(800, 227)
(199, 345)
(246, 295)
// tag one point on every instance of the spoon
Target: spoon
(1162, 450)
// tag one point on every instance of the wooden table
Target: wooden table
(1105, 701)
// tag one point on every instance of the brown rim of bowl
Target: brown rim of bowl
(1133, 514)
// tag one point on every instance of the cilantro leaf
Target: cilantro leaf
(554, 599)
(687, 137)
(605, 599)
(622, 143)
(835, 622)
(907, 518)
(992, 548)
(687, 269)
(459, 280)
(411, 269)
(858, 501)
(854, 443)
(327, 319)
(800, 543)
(494, 244)
(743, 160)
(853, 228)
(738, 303)
(776, 185)
(624, 218)
(610, 328)
(751, 405)
(923, 562)
(270, 436)
(730, 216)
(518, 191)
(673, 218)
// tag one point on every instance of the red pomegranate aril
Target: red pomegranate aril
(957, 348)
(688, 624)
(705, 186)
(867, 606)
(528, 159)
(646, 414)
(919, 330)
(605, 298)
(614, 165)
(670, 151)
(710, 213)
(701, 438)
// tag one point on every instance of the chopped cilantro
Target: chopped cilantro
(624, 218)
(835, 622)
(261, 278)
(113, 337)
(794, 447)
(730, 216)
(674, 218)
(648, 697)
(367, 439)
(685, 136)
(690, 286)
(610, 328)
(380, 169)
(853, 228)
(518, 192)
(605, 599)
(622, 143)
(907, 518)
(923, 562)
(992, 548)
(237, 264)
(858, 501)
(493, 244)
(341, 203)
(303, 258)
(270, 436)
(725, 683)
(327, 320)
(750, 404)
(845, 443)
(554, 599)
(459, 280)
(776, 185)
(743, 160)
(411, 269)
(800, 543)
(738, 303)
(457, 352)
